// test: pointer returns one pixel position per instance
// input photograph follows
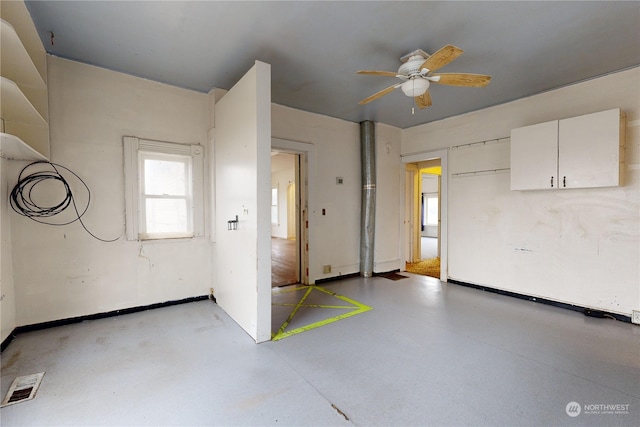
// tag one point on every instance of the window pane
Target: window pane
(166, 216)
(432, 211)
(165, 177)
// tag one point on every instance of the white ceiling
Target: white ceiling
(315, 47)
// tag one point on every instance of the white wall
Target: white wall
(573, 246)
(334, 238)
(7, 291)
(281, 179)
(389, 199)
(62, 272)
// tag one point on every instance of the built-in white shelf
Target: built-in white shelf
(24, 110)
(13, 148)
(21, 119)
(16, 107)
(16, 62)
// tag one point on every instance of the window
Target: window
(164, 197)
(432, 210)
(429, 209)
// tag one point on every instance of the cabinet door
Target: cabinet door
(534, 157)
(589, 150)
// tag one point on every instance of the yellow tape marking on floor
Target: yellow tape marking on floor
(358, 308)
(313, 305)
(293, 313)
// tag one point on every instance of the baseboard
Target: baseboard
(332, 279)
(387, 266)
(8, 340)
(96, 316)
(587, 311)
(348, 276)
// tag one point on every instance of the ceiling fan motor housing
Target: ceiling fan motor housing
(412, 66)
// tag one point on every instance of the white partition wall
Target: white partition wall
(242, 142)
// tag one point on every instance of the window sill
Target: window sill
(156, 239)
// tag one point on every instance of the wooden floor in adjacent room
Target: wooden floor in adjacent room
(283, 262)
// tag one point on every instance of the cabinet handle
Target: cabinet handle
(551, 182)
(564, 181)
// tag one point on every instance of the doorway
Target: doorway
(286, 250)
(425, 214)
(429, 194)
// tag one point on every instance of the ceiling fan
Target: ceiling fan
(417, 74)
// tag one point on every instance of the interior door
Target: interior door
(242, 162)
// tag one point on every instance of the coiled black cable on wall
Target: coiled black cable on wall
(21, 198)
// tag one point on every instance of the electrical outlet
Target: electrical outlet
(635, 317)
(326, 269)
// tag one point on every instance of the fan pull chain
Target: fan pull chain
(413, 99)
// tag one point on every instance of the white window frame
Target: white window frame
(425, 209)
(134, 200)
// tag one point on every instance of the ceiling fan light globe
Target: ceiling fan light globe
(415, 87)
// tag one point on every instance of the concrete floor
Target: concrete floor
(427, 354)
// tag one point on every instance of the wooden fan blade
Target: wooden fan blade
(377, 95)
(463, 79)
(442, 57)
(423, 100)
(377, 73)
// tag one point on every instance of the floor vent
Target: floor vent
(23, 388)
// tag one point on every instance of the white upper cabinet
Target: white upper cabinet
(534, 157)
(589, 150)
(579, 152)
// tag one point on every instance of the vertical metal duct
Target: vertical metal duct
(368, 212)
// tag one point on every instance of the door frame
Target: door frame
(293, 205)
(305, 153)
(411, 226)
